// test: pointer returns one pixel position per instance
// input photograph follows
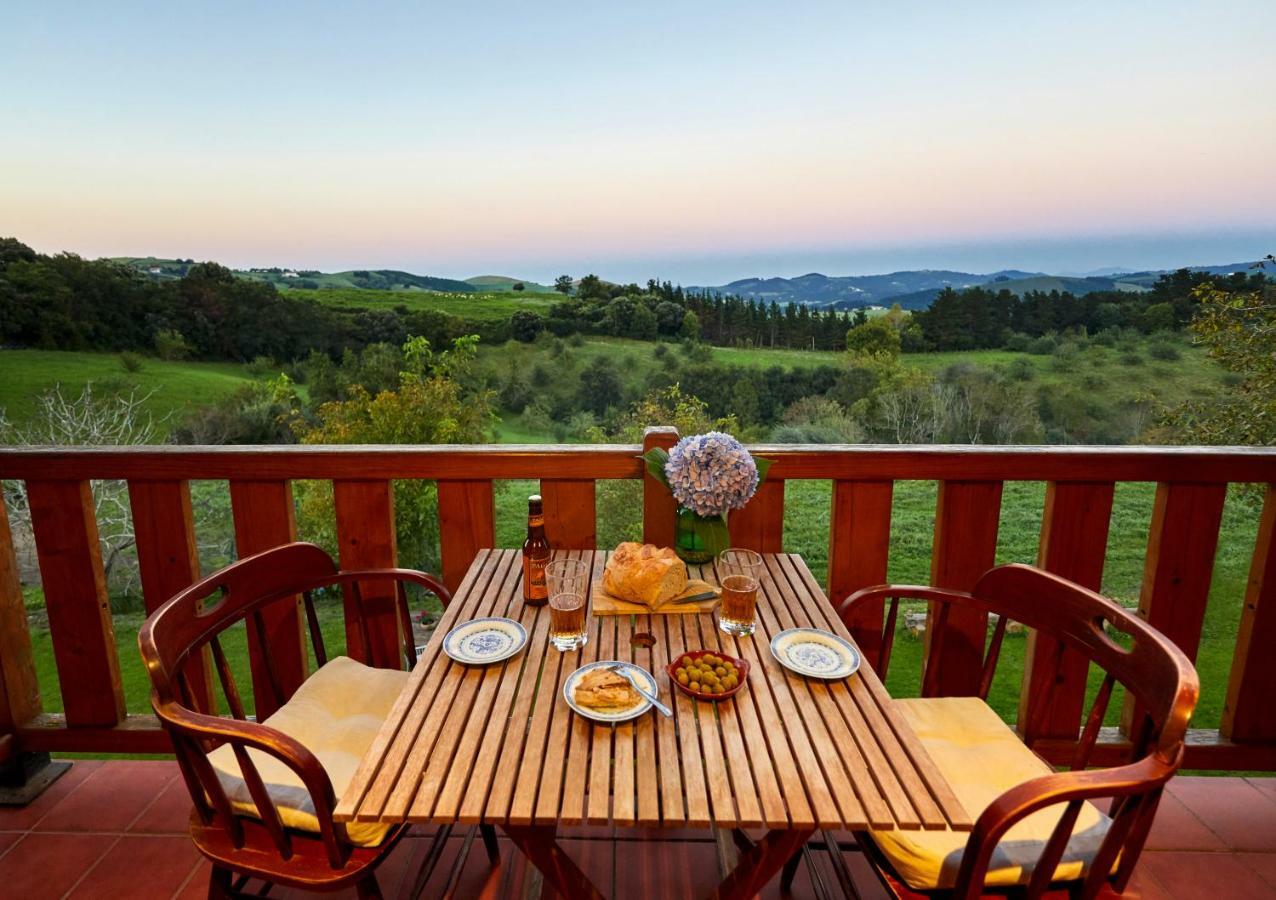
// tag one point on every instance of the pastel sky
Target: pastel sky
(694, 141)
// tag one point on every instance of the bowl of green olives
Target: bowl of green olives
(708, 675)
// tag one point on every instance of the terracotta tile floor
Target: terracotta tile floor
(117, 830)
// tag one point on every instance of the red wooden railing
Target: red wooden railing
(1080, 481)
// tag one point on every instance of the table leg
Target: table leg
(760, 863)
(539, 846)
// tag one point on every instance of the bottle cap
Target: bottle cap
(535, 498)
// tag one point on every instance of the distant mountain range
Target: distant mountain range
(913, 289)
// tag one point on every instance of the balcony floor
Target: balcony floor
(117, 829)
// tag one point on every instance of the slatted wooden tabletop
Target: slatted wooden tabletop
(498, 744)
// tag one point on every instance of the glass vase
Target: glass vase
(698, 539)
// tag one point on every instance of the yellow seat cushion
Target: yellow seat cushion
(982, 758)
(335, 714)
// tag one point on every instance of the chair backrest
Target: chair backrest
(172, 641)
(1151, 669)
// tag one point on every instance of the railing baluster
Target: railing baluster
(1180, 561)
(658, 505)
(570, 513)
(760, 525)
(467, 524)
(966, 519)
(19, 689)
(1250, 714)
(66, 540)
(168, 560)
(1074, 543)
(859, 546)
(366, 540)
(264, 518)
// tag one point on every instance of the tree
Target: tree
(690, 328)
(1239, 330)
(563, 284)
(600, 387)
(592, 287)
(519, 286)
(876, 337)
(97, 416)
(525, 325)
(170, 345)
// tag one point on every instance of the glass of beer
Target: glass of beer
(739, 572)
(568, 584)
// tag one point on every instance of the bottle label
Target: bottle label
(536, 521)
(534, 586)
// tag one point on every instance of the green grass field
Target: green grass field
(483, 306)
(174, 386)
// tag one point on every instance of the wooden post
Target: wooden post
(966, 520)
(658, 505)
(1250, 714)
(1182, 542)
(63, 519)
(467, 524)
(760, 525)
(168, 559)
(859, 546)
(571, 516)
(265, 517)
(366, 539)
(23, 775)
(1074, 543)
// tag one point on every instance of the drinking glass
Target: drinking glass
(739, 572)
(568, 584)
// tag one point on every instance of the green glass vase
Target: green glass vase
(698, 539)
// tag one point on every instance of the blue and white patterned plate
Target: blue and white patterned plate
(483, 641)
(816, 653)
(641, 675)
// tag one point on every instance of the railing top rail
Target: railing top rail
(594, 461)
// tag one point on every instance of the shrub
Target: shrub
(130, 361)
(660, 351)
(1131, 359)
(1044, 345)
(1164, 350)
(171, 345)
(576, 340)
(1018, 342)
(263, 365)
(525, 325)
(1021, 369)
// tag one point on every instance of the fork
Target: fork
(622, 670)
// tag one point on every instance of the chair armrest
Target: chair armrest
(894, 592)
(259, 736)
(1023, 800)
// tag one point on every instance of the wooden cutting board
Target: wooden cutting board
(604, 604)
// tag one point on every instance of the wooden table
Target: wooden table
(499, 745)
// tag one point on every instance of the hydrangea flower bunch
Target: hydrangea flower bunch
(711, 473)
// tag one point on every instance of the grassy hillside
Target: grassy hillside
(25, 374)
(506, 283)
(1109, 375)
(479, 306)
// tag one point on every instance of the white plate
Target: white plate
(641, 675)
(816, 653)
(480, 642)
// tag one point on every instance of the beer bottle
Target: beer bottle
(535, 554)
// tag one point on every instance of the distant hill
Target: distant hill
(915, 289)
(366, 279)
(851, 291)
(493, 283)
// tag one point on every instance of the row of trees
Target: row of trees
(982, 317)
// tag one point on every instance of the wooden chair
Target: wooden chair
(1037, 830)
(264, 792)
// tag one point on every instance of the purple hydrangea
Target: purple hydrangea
(711, 473)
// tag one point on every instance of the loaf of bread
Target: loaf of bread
(644, 573)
